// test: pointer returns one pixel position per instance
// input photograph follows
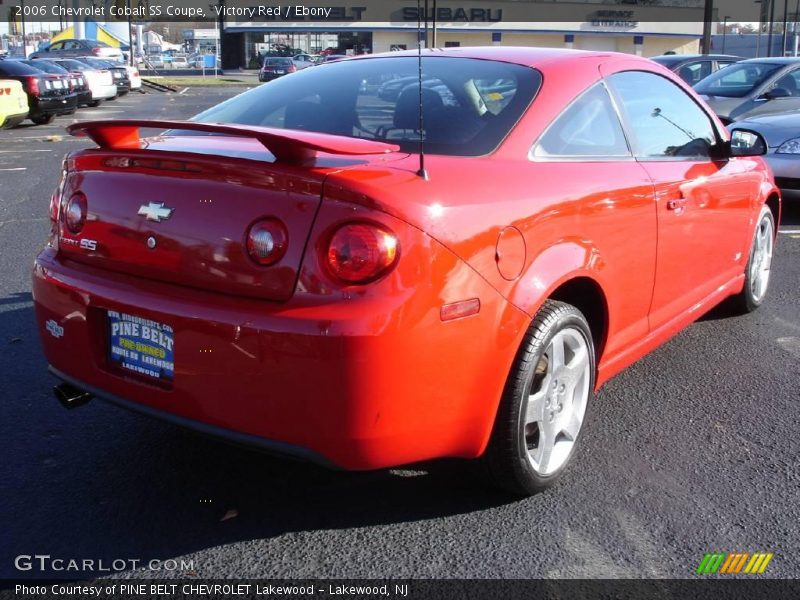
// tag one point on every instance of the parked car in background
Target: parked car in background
(782, 134)
(119, 72)
(557, 235)
(78, 83)
(100, 81)
(76, 48)
(133, 76)
(333, 58)
(180, 62)
(153, 61)
(48, 95)
(303, 61)
(692, 68)
(753, 87)
(197, 61)
(13, 103)
(274, 67)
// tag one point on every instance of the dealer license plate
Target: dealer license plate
(141, 346)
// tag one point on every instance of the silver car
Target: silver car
(76, 48)
(754, 87)
(782, 134)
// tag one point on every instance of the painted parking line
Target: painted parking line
(789, 231)
(20, 151)
(15, 169)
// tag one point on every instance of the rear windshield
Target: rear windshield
(274, 62)
(74, 65)
(16, 67)
(736, 80)
(45, 66)
(470, 105)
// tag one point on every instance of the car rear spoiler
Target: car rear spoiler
(286, 145)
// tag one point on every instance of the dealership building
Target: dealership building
(359, 27)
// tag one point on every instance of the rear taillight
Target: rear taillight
(134, 73)
(97, 51)
(71, 84)
(291, 69)
(32, 84)
(75, 213)
(267, 241)
(362, 252)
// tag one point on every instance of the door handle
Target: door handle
(676, 204)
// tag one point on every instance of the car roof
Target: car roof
(776, 60)
(522, 55)
(684, 57)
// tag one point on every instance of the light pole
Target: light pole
(760, 26)
(724, 31)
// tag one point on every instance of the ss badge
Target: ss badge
(89, 245)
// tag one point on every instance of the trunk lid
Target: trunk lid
(178, 208)
(184, 219)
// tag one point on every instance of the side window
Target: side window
(56, 46)
(694, 72)
(789, 82)
(589, 127)
(664, 121)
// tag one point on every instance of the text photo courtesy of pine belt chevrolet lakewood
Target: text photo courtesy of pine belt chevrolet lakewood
(283, 271)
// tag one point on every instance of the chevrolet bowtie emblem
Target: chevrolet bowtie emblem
(155, 211)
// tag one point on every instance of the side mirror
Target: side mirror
(745, 142)
(776, 93)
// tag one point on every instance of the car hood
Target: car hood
(776, 129)
(723, 106)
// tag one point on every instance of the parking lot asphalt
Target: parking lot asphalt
(694, 449)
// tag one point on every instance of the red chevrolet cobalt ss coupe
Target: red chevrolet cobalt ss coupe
(280, 271)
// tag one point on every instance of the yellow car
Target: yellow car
(13, 104)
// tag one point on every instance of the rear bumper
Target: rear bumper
(13, 120)
(243, 439)
(370, 383)
(103, 92)
(56, 105)
(84, 97)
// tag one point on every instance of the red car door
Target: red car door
(588, 179)
(702, 204)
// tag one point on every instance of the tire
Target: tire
(95, 103)
(555, 392)
(759, 263)
(43, 119)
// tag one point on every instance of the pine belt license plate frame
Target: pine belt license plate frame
(141, 346)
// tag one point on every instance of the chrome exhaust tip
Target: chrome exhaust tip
(71, 397)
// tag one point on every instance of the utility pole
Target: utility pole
(785, 26)
(24, 37)
(769, 31)
(708, 16)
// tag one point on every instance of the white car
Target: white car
(133, 75)
(303, 61)
(100, 81)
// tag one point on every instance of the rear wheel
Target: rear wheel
(43, 119)
(95, 103)
(759, 264)
(544, 403)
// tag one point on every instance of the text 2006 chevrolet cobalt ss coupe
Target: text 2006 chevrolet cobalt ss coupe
(280, 271)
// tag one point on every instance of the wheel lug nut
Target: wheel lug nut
(563, 387)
